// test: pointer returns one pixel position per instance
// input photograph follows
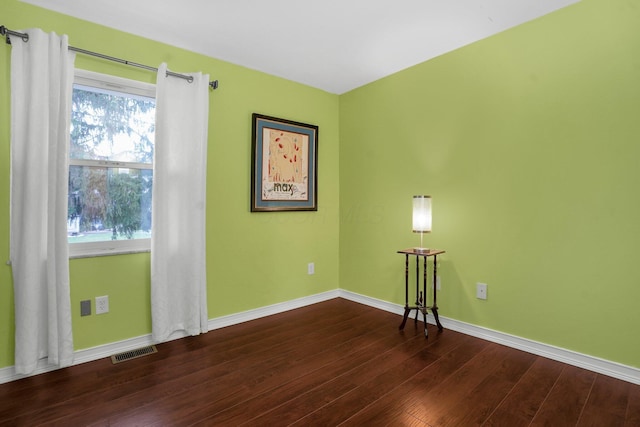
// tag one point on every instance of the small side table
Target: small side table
(421, 296)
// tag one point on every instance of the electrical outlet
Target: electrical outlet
(311, 268)
(438, 284)
(102, 304)
(481, 290)
(85, 307)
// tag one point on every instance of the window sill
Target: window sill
(98, 249)
(109, 253)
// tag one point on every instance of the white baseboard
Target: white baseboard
(8, 374)
(234, 319)
(605, 367)
(601, 366)
(81, 356)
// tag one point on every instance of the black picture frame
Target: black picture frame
(284, 165)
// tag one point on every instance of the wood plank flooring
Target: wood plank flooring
(332, 363)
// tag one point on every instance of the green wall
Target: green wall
(528, 142)
(253, 259)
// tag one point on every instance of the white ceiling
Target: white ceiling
(334, 45)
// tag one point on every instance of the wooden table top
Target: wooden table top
(426, 252)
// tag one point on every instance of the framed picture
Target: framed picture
(284, 165)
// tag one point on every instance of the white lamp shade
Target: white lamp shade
(421, 214)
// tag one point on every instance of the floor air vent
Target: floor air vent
(133, 354)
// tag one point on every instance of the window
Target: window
(110, 165)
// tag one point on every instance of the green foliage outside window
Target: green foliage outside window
(112, 139)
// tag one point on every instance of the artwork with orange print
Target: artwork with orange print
(284, 168)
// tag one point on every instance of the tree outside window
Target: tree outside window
(111, 164)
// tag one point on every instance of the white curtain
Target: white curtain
(178, 261)
(41, 86)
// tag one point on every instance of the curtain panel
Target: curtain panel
(41, 87)
(178, 259)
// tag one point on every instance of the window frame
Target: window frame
(128, 86)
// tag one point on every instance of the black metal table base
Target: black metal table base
(408, 310)
(421, 295)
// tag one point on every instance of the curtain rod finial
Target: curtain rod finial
(214, 85)
(3, 32)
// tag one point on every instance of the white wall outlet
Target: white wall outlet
(481, 290)
(311, 268)
(102, 304)
(438, 284)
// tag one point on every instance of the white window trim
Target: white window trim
(112, 247)
(109, 82)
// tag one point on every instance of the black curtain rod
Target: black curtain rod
(25, 37)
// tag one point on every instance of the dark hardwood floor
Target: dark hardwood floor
(332, 363)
